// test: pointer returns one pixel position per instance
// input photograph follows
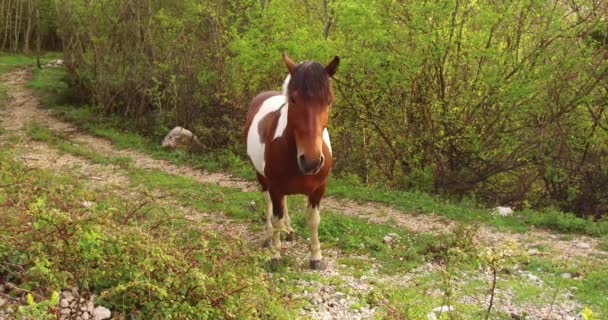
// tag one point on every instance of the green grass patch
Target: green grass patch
(61, 143)
(146, 260)
(49, 80)
(417, 299)
(9, 62)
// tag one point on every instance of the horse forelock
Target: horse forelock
(311, 81)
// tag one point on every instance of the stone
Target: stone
(68, 296)
(583, 245)
(180, 138)
(566, 275)
(533, 252)
(101, 313)
(86, 316)
(54, 64)
(439, 310)
(388, 239)
(503, 211)
(64, 303)
(533, 278)
(2, 302)
(66, 311)
(87, 204)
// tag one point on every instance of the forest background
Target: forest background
(503, 102)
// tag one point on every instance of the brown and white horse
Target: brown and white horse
(288, 143)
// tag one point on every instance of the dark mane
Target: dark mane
(312, 82)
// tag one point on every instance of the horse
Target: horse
(288, 143)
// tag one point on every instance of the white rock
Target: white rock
(65, 311)
(566, 275)
(2, 302)
(583, 245)
(503, 211)
(439, 310)
(87, 204)
(180, 138)
(387, 239)
(533, 252)
(86, 316)
(64, 303)
(533, 278)
(101, 313)
(67, 295)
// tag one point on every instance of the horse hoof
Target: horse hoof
(274, 264)
(292, 236)
(266, 243)
(317, 265)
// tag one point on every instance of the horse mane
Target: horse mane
(311, 81)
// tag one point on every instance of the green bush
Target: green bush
(142, 260)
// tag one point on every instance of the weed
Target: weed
(135, 254)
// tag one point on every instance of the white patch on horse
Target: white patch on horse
(282, 123)
(286, 84)
(256, 149)
(326, 139)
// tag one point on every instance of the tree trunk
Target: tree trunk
(38, 37)
(28, 27)
(7, 25)
(19, 12)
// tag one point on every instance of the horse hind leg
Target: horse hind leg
(268, 225)
(291, 233)
(278, 224)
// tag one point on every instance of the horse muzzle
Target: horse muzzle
(310, 167)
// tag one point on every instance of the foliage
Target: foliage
(122, 135)
(500, 100)
(142, 259)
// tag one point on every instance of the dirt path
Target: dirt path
(328, 301)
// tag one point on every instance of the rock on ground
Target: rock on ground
(180, 138)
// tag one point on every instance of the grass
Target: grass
(135, 260)
(9, 62)
(350, 234)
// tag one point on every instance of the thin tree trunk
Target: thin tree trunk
(327, 19)
(7, 25)
(19, 12)
(2, 9)
(28, 30)
(38, 37)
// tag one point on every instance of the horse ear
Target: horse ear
(332, 67)
(291, 66)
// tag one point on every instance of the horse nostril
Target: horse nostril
(302, 160)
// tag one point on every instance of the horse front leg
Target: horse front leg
(313, 219)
